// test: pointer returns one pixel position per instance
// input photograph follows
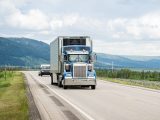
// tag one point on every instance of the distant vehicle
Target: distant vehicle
(44, 70)
(71, 60)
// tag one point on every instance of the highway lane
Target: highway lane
(50, 106)
(110, 101)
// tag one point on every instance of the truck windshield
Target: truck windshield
(78, 58)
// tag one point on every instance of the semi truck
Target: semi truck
(72, 62)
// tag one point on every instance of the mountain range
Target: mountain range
(121, 61)
(23, 52)
(30, 52)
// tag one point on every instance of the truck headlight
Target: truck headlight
(68, 75)
(91, 74)
(67, 67)
(90, 67)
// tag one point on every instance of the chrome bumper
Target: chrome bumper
(71, 81)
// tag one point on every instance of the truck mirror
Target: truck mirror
(65, 58)
(93, 57)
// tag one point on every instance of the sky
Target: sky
(119, 27)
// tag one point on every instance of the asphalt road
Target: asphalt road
(110, 101)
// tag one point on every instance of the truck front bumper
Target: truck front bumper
(85, 82)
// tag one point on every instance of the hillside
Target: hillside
(128, 61)
(23, 52)
(29, 52)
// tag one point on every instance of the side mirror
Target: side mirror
(93, 57)
(64, 57)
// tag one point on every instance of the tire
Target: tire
(93, 87)
(51, 79)
(64, 87)
(59, 83)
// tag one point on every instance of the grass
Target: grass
(141, 83)
(13, 99)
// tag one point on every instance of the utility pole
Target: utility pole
(5, 72)
(112, 66)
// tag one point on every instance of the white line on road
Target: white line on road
(73, 105)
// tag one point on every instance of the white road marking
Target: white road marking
(73, 105)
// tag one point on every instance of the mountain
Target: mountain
(142, 58)
(23, 52)
(121, 61)
(29, 52)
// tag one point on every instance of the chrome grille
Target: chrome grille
(79, 71)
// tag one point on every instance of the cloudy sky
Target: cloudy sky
(121, 27)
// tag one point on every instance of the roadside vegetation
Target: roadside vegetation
(13, 100)
(147, 79)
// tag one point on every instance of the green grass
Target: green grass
(13, 99)
(141, 83)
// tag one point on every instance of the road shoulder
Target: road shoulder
(49, 105)
(33, 110)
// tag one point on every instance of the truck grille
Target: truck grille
(79, 71)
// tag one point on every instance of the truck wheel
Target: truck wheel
(64, 87)
(93, 87)
(59, 83)
(51, 79)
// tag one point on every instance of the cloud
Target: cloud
(12, 16)
(33, 20)
(146, 26)
(121, 27)
(127, 47)
(7, 7)
(63, 21)
(114, 25)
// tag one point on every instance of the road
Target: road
(110, 101)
